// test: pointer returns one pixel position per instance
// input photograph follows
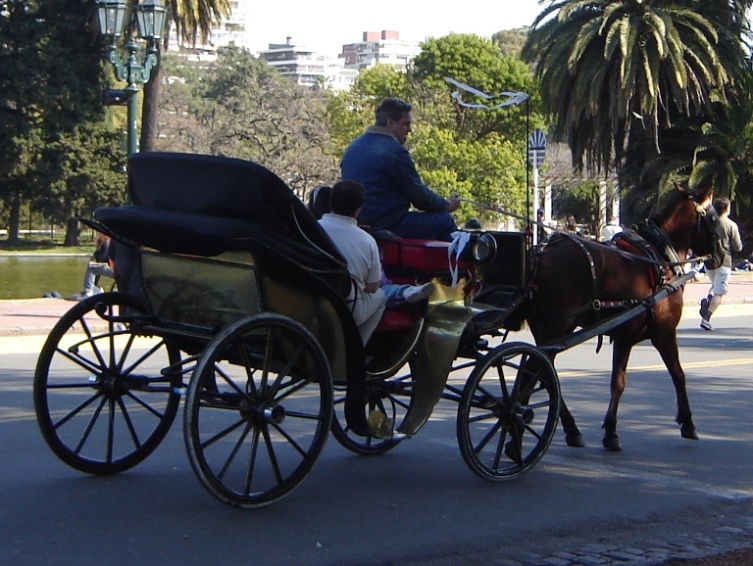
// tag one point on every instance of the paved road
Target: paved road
(661, 497)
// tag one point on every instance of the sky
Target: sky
(326, 25)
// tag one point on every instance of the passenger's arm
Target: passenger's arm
(735, 241)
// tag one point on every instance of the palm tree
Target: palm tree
(192, 19)
(615, 72)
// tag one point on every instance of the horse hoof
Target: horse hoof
(575, 440)
(612, 443)
(688, 431)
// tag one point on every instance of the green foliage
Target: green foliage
(381, 81)
(613, 71)
(511, 41)
(479, 63)
(488, 172)
(50, 86)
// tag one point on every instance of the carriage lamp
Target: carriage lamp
(484, 248)
(149, 16)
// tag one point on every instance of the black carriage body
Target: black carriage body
(217, 239)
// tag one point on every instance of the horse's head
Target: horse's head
(692, 224)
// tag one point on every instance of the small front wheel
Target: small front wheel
(508, 411)
(258, 410)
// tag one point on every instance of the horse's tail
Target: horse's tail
(517, 319)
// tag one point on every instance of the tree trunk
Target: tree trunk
(14, 223)
(149, 114)
(71, 232)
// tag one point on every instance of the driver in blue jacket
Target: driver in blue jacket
(379, 161)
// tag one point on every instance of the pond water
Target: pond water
(30, 277)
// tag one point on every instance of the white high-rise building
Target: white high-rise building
(306, 67)
(229, 30)
(379, 48)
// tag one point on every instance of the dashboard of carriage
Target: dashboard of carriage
(499, 260)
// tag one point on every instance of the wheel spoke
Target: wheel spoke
(90, 426)
(129, 423)
(236, 446)
(77, 409)
(272, 455)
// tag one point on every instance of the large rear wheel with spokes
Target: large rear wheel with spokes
(258, 410)
(508, 411)
(105, 394)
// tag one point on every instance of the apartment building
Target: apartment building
(379, 48)
(307, 67)
(229, 30)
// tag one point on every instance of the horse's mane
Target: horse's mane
(673, 198)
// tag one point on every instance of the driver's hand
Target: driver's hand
(453, 203)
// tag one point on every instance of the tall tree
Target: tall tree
(49, 87)
(613, 71)
(192, 20)
(244, 108)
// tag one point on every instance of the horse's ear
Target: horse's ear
(678, 186)
(703, 193)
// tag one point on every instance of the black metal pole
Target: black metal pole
(528, 183)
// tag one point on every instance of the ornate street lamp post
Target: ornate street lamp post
(150, 22)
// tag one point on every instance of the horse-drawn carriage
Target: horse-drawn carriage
(232, 296)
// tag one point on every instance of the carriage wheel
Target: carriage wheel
(102, 396)
(390, 397)
(258, 410)
(508, 411)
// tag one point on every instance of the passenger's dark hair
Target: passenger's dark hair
(392, 109)
(318, 204)
(721, 204)
(346, 197)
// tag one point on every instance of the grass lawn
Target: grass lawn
(39, 245)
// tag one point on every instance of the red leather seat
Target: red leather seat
(396, 319)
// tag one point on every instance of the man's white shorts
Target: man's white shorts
(719, 280)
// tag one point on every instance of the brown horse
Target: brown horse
(578, 282)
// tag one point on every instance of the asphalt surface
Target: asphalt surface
(36, 317)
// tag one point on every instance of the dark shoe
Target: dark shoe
(704, 310)
(706, 325)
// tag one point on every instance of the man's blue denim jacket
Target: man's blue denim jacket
(386, 170)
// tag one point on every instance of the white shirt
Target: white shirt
(610, 231)
(357, 247)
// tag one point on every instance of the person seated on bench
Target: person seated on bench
(397, 294)
(98, 266)
(378, 160)
(360, 250)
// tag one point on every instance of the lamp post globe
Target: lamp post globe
(150, 19)
(111, 16)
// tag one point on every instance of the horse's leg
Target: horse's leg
(573, 437)
(666, 344)
(620, 355)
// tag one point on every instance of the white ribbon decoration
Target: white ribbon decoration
(459, 242)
